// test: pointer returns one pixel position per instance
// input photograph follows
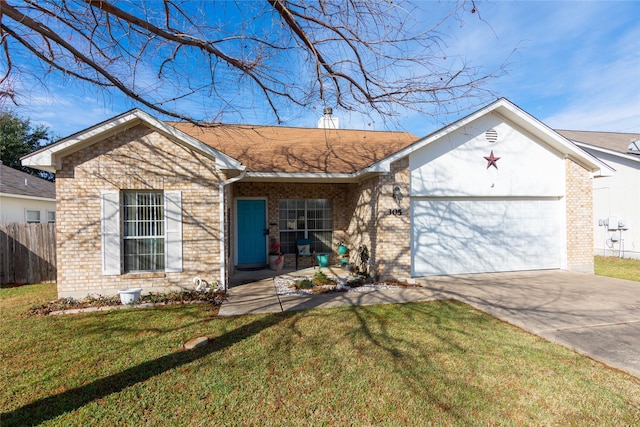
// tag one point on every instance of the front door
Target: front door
(252, 221)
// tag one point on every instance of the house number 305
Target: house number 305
(396, 212)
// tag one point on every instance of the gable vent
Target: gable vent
(491, 135)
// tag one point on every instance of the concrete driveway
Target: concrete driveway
(593, 315)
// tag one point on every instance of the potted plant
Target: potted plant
(129, 295)
(276, 257)
(342, 248)
(323, 260)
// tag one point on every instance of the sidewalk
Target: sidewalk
(259, 296)
(251, 298)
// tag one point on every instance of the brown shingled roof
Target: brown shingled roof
(289, 149)
(614, 141)
(13, 181)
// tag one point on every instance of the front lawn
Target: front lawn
(621, 268)
(439, 363)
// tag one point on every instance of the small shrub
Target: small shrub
(303, 284)
(321, 279)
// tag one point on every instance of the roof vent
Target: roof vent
(491, 135)
(634, 147)
(327, 121)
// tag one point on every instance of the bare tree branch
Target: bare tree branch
(367, 56)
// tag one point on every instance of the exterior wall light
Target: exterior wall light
(397, 194)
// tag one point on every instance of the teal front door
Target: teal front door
(252, 222)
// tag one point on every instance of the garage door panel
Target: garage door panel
(474, 236)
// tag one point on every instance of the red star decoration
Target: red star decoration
(491, 160)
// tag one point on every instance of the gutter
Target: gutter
(223, 259)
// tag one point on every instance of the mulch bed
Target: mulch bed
(103, 303)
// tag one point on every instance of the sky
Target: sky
(571, 64)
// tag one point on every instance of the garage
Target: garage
(477, 235)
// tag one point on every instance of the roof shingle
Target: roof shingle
(13, 181)
(289, 149)
(614, 141)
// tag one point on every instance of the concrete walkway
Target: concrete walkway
(596, 316)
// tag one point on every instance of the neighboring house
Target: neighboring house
(26, 198)
(149, 204)
(616, 199)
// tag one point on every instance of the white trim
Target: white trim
(221, 212)
(49, 158)
(19, 196)
(585, 146)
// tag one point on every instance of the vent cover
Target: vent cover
(634, 147)
(491, 135)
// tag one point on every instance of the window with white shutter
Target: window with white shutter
(141, 231)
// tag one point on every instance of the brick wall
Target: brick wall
(383, 224)
(135, 159)
(579, 205)
(392, 257)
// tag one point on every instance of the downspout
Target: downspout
(223, 258)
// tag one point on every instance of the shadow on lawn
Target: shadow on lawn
(50, 407)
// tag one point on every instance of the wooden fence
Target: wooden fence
(27, 253)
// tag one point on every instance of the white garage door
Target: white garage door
(485, 235)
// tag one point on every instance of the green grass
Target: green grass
(621, 268)
(439, 363)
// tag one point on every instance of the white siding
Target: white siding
(455, 166)
(12, 209)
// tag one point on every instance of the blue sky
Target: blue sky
(573, 65)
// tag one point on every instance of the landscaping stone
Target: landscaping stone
(284, 286)
(197, 342)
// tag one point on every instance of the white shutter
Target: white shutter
(110, 223)
(173, 231)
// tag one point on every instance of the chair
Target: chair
(303, 249)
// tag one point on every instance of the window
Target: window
(51, 216)
(32, 216)
(305, 219)
(143, 231)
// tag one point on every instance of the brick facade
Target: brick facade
(579, 205)
(136, 159)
